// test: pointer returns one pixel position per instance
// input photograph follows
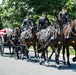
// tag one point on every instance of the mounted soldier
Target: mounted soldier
(43, 22)
(27, 22)
(63, 18)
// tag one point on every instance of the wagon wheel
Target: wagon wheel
(1, 45)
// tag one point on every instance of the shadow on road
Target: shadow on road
(51, 63)
(64, 67)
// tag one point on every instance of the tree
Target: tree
(13, 12)
(71, 6)
(1, 25)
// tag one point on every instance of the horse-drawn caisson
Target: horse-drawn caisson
(3, 41)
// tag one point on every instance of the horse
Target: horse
(28, 38)
(15, 41)
(60, 42)
(57, 42)
(44, 40)
(73, 34)
(72, 39)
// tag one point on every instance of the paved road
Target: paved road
(11, 66)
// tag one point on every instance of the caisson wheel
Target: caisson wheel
(1, 45)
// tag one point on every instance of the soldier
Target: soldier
(64, 20)
(27, 22)
(63, 17)
(43, 22)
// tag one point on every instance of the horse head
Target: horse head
(16, 35)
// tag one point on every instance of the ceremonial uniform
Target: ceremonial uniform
(43, 22)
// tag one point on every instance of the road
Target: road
(11, 66)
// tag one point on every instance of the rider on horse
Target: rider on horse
(27, 22)
(63, 18)
(43, 22)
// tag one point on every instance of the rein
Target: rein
(44, 46)
(15, 45)
(73, 33)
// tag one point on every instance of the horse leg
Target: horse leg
(74, 58)
(22, 52)
(36, 54)
(35, 51)
(54, 50)
(51, 54)
(46, 57)
(27, 54)
(12, 51)
(9, 46)
(57, 57)
(40, 61)
(16, 50)
(63, 51)
(68, 62)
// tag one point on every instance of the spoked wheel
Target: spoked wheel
(1, 45)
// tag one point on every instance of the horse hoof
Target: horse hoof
(40, 63)
(1, 54)
(46, 63)
(17, 58)
(58, 66)
(22, 58)
(35, 60)
(10, 56)
(74, 59)
(27, 60)
(64, 63)
(69, 65)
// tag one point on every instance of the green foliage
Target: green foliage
(12, 12)
(71, 6)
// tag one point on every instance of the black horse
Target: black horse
(15, 42)
(60, 42)
(72, 40)
(28, 38)
(44, 40)
(73, 34)
(57, 42)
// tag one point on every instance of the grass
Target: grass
(72, 51)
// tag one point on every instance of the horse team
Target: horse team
(51, 36)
